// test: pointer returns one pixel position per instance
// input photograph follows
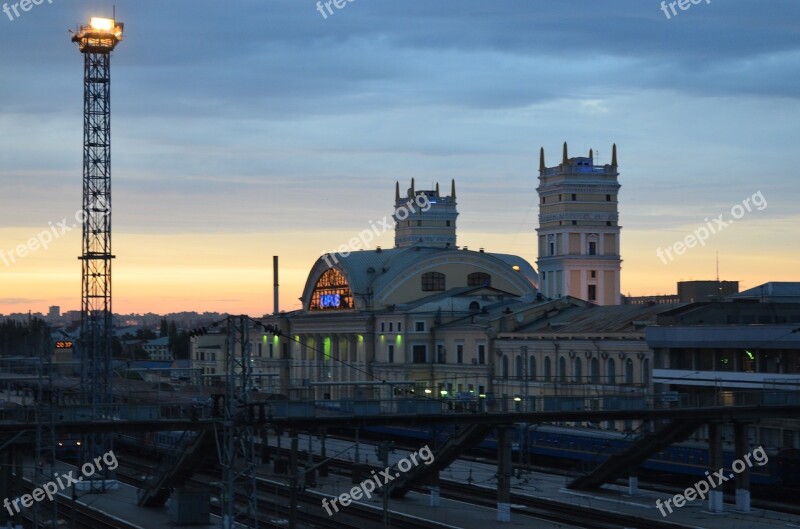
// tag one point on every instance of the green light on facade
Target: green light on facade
(398, 340)
(326, 347)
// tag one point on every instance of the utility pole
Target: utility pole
(239, 430)
(383, 449)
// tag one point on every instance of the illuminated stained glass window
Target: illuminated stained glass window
(331, 292)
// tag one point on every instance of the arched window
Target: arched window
(547, 369)
(474, 307)
(646, 371)
(519, 367)
(532, 368)
(505, 367)
(433, 281)
(331, 292)
(479, 279)
(611, 371)
(562, 369)
(577, 369)
(594, 367)
(629, 371)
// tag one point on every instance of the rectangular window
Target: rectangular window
(574, 197)
(383, 327)
(390, 326)
(399, 326)
(593, 274)
(552, 248)
(390, 353)
(592, 292)
(259, 350)
(419, 354)
(481, 354)
(592, 248)
(271, 351)
(608, 198)
(433, 281)
(460, 353)
(419, 326)
(441, 356)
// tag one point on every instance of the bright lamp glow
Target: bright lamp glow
(102, 24)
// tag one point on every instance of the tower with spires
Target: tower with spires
(425, 217)
(579, 231)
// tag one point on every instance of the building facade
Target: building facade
(720, 353)
(579, 231)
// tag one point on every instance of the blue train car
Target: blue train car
(590, 448)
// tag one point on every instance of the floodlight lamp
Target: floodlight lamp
(102, 24)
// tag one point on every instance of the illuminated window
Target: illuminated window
(433, 281)
(479, 279)
(331, 292)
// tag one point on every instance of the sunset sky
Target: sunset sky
(253, 128)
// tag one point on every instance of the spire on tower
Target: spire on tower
(437, 190)
(413, 193)
(453, 188)
(397, 191)
(565, 160)
(614, 155)
(591, 154)
(541, 159)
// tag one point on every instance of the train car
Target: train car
(69, 447)
(154, 443)
(584, 449)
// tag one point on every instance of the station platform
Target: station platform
(611, 498)
(119, 503)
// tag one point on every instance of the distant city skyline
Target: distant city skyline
(290, 141)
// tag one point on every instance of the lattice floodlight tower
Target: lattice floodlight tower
(238, 458)
(96, 41)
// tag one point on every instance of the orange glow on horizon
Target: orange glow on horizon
(162, 273)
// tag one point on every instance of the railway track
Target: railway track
(778, 499)
(528, 507)
(358, 516)
(273, 503)
(84, 517)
